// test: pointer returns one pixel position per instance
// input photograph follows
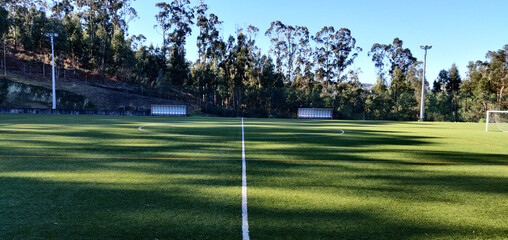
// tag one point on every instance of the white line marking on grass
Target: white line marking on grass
(245, 221)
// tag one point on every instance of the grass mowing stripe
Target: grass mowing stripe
(141, 128)
(138, 158)
(245, 221)
(266, 160)
(431, 189)
(269, 160)
(373, 161)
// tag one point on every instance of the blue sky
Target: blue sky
(459, 31)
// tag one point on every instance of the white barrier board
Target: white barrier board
(168, 110)
(315, 113)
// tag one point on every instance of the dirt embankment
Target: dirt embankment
(103, 94)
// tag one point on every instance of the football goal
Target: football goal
(315, 113)
(168, 110)
(497, 121)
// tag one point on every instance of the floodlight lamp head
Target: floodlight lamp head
(426, 47)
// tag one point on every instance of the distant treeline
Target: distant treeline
(232, 77)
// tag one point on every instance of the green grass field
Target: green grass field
(100, 177)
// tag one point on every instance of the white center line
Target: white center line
(245, 221)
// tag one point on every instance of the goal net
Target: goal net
(497, 121)
(169, 110)
(315, 113)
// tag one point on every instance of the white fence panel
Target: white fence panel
(168, 110)
(315, 113)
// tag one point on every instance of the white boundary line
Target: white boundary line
(245, 221)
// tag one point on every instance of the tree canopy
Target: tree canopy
(233, 76)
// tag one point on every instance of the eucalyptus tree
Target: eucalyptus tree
(497, 73)
(304, 75)
(176, 20)
(32, 31)
(286, 42)
(4, 30)
(240, 65)
(61, 43)
(101, 20)
(17, 10)
(149, 65)
(205, 71)
(335, 51)
(393, 56)
(398, 82)
(62, 9)
(208, 40)
(238, 62)
(75, 39)
(278, 47)
(487, 81)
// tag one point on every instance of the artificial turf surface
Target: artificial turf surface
(100, 177)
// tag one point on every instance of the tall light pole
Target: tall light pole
(422, 105)
(53, 35)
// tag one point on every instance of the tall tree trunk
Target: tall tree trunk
(43, 68)
(15, 40)
(214, 96)
(103, 72)
(239, 105)
(501, 94)
(5, 61)
(233, 98)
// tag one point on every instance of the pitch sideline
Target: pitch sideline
(245, 221)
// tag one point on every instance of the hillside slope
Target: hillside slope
(77, 90)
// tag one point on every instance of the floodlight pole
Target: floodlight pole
(422, 105)
(52, 35)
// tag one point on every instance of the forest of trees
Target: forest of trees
(233, 77)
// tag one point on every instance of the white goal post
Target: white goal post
(168, 110)
(497, 118)
(315, 113)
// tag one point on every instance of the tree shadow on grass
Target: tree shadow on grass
(365, 145)
(372, 201)
(40, 209)
(336, 224)
(201, 199)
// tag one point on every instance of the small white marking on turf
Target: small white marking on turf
(245, 221)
